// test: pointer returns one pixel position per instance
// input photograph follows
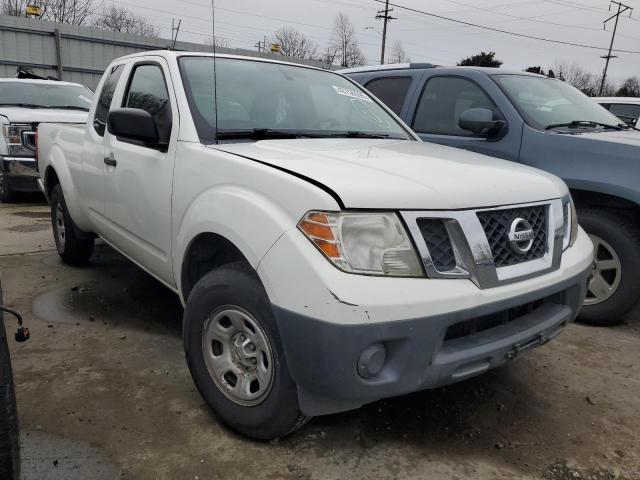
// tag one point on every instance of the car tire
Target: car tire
(9, 438)
(7, 194)
(612, 290)
(73, 248)
(222, 311)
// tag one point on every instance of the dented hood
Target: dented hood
(392, 174)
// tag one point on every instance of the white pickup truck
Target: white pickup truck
(326, 257)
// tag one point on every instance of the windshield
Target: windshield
(548, 102)
(45, 95)
(271, 98)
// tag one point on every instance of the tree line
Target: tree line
(84, 13)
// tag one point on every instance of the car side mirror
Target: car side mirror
(480, 122)
(133, 125)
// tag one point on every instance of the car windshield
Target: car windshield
(258, 100)
(45, 95)
(547, 102)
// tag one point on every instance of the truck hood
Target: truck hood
(623, 137)
(31, 115)
(390, 174)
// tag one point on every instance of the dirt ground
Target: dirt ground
(104, 392)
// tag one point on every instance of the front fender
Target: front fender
(251, 221)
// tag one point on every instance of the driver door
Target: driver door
(139, 177)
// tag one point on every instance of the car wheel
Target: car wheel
(9, 440)
(7, 194)
(235, 357)
(612, 291)
(73, 249)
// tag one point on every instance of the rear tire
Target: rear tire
(9, 438)
(74, 249)
(226, 310)
(612, 290)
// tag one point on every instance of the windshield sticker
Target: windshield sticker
(346, 92)
(88, 100)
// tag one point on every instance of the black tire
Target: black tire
(74, 249)
(238, 285)
(9, 439)
(623, 236)
(7, 194)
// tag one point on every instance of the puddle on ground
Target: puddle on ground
(114, 291)
(32, 227)
(45, 214)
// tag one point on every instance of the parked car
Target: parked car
(9, 439)
(544, 123)
(625, 108)
(23, 105)
(326, 257)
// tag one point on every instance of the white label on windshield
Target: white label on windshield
(88, 100)
(358, 95)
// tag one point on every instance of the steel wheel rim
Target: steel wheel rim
(238, 355)
(60, 230)
(606, 274)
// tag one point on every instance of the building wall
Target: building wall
(84, 52)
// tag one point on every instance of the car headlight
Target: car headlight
(570, 222)
(12, 134)
(364, 243)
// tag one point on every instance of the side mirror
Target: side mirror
(480, 121)
(133, 125)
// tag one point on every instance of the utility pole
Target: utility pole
(621, 9)
(384, 15)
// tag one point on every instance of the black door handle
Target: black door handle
(110, 161)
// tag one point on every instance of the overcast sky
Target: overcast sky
(425, 39)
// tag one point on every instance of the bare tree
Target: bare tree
(345, 44)
(119, 19)
(75, 12)
(14, 8)
(217, 42)
(294, 43)
(585, 81)
(630, 88)
(398, 55)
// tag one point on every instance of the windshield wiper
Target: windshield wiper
(21, 105)
(261, 133)
(583, 123)
(68, 107)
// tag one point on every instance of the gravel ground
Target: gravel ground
(103, 388)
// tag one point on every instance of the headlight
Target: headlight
(12, 133)
(570, 222)
(364, 243)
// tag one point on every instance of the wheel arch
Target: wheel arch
(599, 200)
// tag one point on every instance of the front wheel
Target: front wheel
(612, 291)
(235, 357)
(73, 248)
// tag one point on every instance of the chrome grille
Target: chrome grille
(496, 224)
(438, 242)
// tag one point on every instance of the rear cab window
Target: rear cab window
(104, 101)
(391, 90)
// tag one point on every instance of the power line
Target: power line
(506, 32)
(622, 8)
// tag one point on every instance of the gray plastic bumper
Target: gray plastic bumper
(323, 357)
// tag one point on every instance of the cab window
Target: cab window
(442, 101)
(148, 91)
(104, 102)
(392, 91)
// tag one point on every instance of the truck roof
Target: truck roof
(42, 82)
(422, 66)
(174, 54)
(617, 99)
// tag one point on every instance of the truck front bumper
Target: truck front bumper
(21, 173)
(351, 343)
